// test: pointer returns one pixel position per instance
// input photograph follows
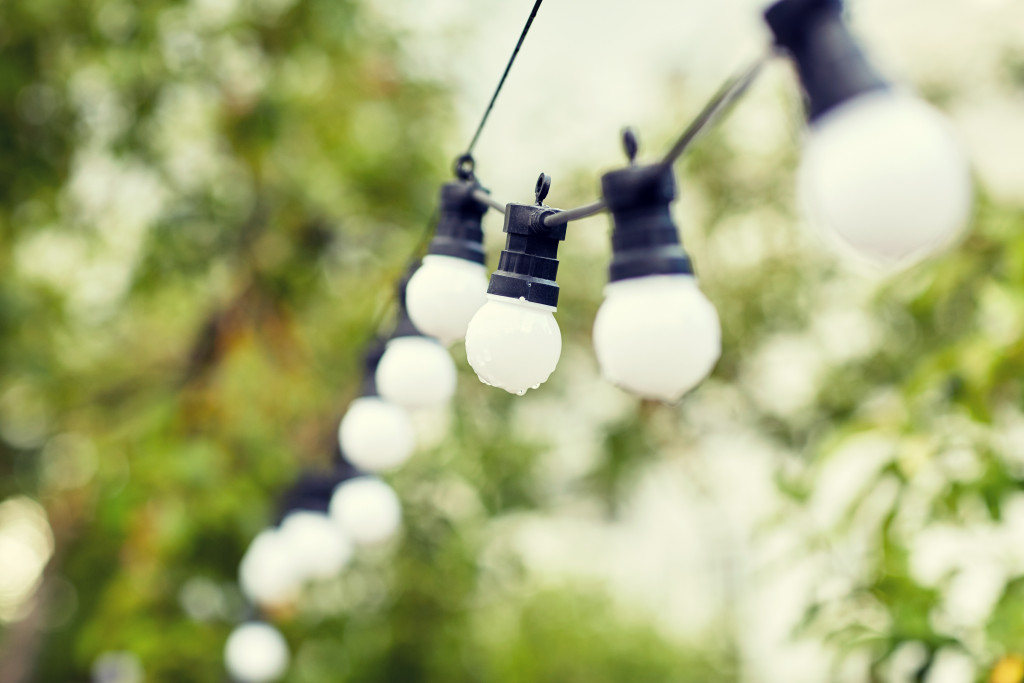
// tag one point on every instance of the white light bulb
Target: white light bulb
(443, 294)
(267, 573)
(367, 509)
(885, 173)
(256, 653)
(513, 344)
(318, 548)
(376, 435)
(416, 372)
(657, 336)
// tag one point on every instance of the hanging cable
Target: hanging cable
(731, 90)
(713, 111)
(501, 83)
(486, 198)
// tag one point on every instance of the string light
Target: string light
(656, 334)
(317, 547)
(881, 171)
(449, 288)
(256, 652)
(415, 371)
(513, 342)
(267, 573)
(367, 509)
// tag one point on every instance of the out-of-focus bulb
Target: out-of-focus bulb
(416, 372)
(443, 294)
(513, 344)
(376, 435)
(267, 574)
(318, 548)
(657, 336)
(256, 652)
(885, 173)
(367, 509)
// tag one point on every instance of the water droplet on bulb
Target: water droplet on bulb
(536, 386)
(521, 392)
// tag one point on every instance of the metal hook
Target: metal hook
(630, 144)
(543, 187)
(465, 167)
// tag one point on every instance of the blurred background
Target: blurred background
(203, 208)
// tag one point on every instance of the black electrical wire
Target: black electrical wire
(720, 103)
(717, 106)
(501, 83)
(486, 198)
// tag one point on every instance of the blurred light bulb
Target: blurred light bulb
(513, 344)
(367, 509)
(885, 173)
(318, 548)
(376, 435)
(256, 653)
(657, 336)
(267, 573)
(443, 294)
(416, 372)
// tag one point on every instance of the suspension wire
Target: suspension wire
(486, 198)
(576, 214)
(719, 105)
(501, 83)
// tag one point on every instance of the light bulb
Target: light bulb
(884, 172)
(318, 548)
(657, 336)
(513, 344)
(376, 435)
(367, 509)
(416, 372)
(443, 294)
(256, 652)
(267, 573)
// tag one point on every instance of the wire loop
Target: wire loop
(465, 167)
(543, 187)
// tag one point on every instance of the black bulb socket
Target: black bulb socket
(529, 263)
(645, 240)
(830, 62)
(459, 231)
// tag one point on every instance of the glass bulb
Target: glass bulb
(513, 344)
(416, 372)
(319, 549)
(443, 294)
(657, 336)
(885, 173)
(256, 652)
(267, 573)
(367, 509)
(376, 435)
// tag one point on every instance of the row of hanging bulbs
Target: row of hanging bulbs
(881, 173)
(327, 517)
